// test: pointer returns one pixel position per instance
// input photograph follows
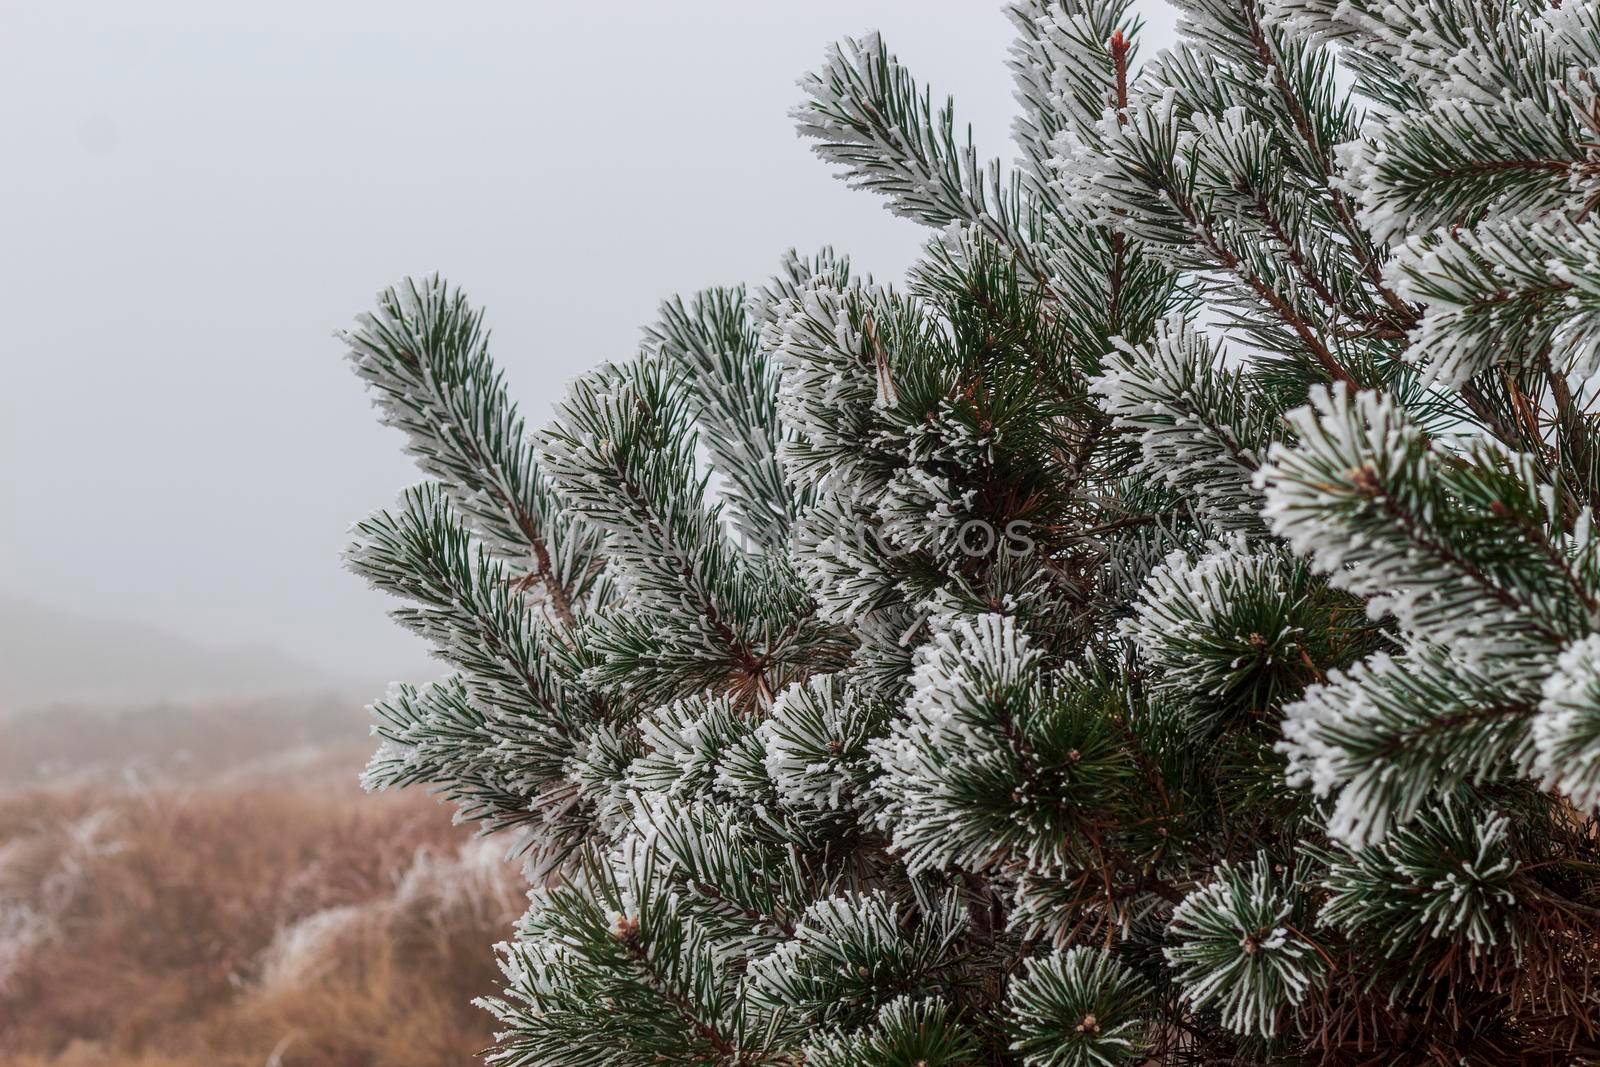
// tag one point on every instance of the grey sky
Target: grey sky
(196, 194)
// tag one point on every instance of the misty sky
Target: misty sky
(197, 194)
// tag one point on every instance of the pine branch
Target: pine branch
(425, 356)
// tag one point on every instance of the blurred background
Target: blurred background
(197, 194)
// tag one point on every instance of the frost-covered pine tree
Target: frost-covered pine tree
(1165, 629)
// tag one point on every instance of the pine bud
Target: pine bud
(1365, 479)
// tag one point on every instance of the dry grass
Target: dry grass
(271, 915)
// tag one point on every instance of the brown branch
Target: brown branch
(1375, 326)
(1341, 207)
(559, 598)
(627, 931)
(750, 665)
(1120, 47)
(1274, 300)
(1119, 244)
(1366, 482)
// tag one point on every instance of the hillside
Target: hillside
(56, 657)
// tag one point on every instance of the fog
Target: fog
(196, 195)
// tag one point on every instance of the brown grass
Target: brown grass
(244, 922)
